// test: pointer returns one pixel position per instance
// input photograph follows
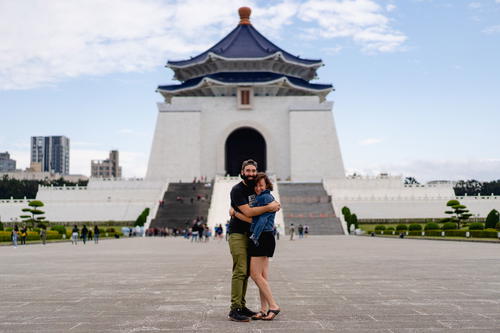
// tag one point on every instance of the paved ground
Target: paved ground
(336, 283)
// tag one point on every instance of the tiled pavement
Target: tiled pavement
(323, 283)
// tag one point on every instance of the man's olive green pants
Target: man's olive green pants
(238, 244)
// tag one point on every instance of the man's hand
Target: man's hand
(274, 206)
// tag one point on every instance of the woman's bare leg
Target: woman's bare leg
(261, 282)
(256, 270)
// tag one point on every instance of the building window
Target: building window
(245, 98)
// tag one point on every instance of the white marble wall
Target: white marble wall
(191, 133)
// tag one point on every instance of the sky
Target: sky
(417, 82)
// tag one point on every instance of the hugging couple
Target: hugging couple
(251, 242)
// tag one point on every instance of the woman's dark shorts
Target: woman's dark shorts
(266, 247)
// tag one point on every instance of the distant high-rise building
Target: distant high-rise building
(50, 154)
(108, 168)
(6, 163)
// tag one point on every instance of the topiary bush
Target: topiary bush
(390, 229)
(476, 226)
(5, 236)
(415, 227)
(380, 227)
(449, 226)
(401, 227)
(433, 233)
(431, 226)
(488, 233)
(455, 233)
(59, 228)
(1, 226)
(414, 233)
(498, 226)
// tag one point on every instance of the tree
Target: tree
(141, 220)
(349, 218)
(34, 211)
(459, 213)
(492, 219)
(411, 181)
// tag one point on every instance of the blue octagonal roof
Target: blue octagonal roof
(244, 42)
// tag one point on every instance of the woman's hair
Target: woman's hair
(262, 175)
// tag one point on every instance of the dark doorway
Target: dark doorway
(243, 144)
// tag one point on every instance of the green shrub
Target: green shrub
(488, 233)
(449, 226)
(433, 233)
(1, 226)
(401, 227)
(498, 226)
(492, 219)
(59, 228)
(51, 234)
(33, 235)
(378, 232)
(455, 233)
(5, 236)
(414, 233)
(110, 230)
(431, 226)
(415, 227)
(476, 226)
(390, 229)
(380, 227)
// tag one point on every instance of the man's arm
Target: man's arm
(255, 211)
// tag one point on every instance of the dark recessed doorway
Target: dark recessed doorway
(243, 144)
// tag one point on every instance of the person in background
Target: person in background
(43, 234)
(14, 235)
(74, 235)
(96, 234)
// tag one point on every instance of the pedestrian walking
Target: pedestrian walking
(301, 231)
(292, 231)
(43, 234)
(14, 235)
(85, 233)
(74, 235)
(24, 234)
(96, 234)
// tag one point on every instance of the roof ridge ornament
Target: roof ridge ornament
(245, 15)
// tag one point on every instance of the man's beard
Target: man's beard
(250, 182)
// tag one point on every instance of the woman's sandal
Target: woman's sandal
(259, 315)
(273, 314)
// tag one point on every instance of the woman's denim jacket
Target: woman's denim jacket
(264, 222)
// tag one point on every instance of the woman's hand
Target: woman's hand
(232, 212)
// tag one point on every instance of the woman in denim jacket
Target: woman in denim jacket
(261, 248)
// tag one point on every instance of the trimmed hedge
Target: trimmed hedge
(476, 226)
(59, 228)
(431, 226)
(433, 233)
(415, 227)
(414, 233)
(380, 227)
(449, 226)
(5, 236)
(390, 229)
(455, 233)
(487, 233)
(401, 227)
(498, 226)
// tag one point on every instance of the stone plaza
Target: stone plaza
(322, 283)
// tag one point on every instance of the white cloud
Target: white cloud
(44, 42)
(492, 29)
(475, 5)
(361, 20)
(390, 7)
(426, 170)
(370, 141)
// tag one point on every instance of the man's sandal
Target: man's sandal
(259, 315)
(272, 313)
